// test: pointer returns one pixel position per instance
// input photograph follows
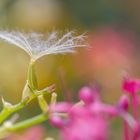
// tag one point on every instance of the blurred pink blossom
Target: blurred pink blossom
(61, 107)
(84, 121)
(90, 120)
(124, 102)
(88, 95)
(83, 125)
(131, 85)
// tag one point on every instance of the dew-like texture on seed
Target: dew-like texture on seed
(37, 46)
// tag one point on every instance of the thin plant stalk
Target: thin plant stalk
(5, 130)
(135, 105)
(126, 131)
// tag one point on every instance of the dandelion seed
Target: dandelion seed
(36, 46)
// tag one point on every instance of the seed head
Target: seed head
(36, 46)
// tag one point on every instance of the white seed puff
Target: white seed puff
(37, 46)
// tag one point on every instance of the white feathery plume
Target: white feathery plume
(35, 45)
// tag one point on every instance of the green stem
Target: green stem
(32, 79)
(28, 123)
(5, 113)
(30, 92)
(22, 125)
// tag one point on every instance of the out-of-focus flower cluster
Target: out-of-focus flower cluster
(90, 118)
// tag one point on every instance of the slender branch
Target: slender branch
(30, 92)
(5, 113)
(5, 130)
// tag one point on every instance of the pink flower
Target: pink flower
(124, 102)
(88, 95)
(99, 107)
(61, 107)
(131, 85)
(57, 121)
(84, 122)
(89, 120)
(84, 125)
